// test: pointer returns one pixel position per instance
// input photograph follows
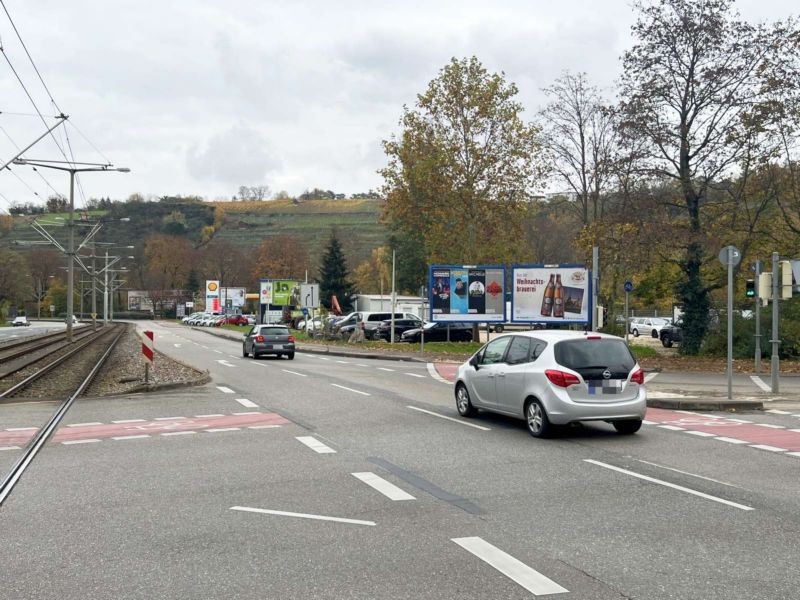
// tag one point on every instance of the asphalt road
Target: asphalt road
(141, 499)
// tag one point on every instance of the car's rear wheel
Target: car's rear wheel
(654, 333)
(535, 416)
(666, 341)
(627, 427)
(463, 402)
(635, 333)
(290, 356)
(498, 329)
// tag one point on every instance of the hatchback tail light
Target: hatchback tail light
(638, 377)
(561, 378)
(259, 338)
(291, 338)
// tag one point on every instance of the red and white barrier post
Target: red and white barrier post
(147, 352)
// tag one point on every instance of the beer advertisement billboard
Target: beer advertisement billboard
(550, 294)
(461, 294)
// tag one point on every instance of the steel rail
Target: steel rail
(22, 347)
(41, 437)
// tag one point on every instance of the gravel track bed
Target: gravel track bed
(65, 378)
(124, 370)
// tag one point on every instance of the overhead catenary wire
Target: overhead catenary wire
(39, 173)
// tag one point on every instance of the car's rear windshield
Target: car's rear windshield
(274, 331)
(584, 353)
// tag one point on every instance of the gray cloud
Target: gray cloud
(237, 156)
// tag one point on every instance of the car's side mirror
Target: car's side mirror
(474, 362)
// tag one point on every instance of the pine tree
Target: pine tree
(333, 275)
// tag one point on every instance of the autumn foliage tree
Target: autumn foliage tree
(281, 257)
(461, 170)
(374, 275)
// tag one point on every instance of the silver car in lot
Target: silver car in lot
(554, 378)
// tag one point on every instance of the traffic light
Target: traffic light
(786, 279)
(750, 288)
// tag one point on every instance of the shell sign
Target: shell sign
(212, 296)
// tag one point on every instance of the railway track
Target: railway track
(12, 351)
(80, 365)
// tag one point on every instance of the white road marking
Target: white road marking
(514, 569)
(775, 411)
(668, 484)
(770, 425)
(415, 375)
(9, 448)
(177, 345)
(385, 369)
(737, 420)
(359, 365)
(459, 421)
(730, 440)
(760, 383)
(22, 429)
(323, 358)
(788, 453)
(129, 421)
(386, 488)
(649, 377)
(225, 390)
(662, 395)
(130, 437)
(672, 427)
(767, 448)
(315, 444)
(646, 422)
(282, 513)
(218, 351)
(168, 418)
(263, 426)
(433, 373)
(349, 389)
(701, 434)
(169, 433)
(688, 473)
(221, 429)
(71, 442)
(252, 412)
(247, 403)
(225, 363)
(207, 416)
(294, 372)
(343, 362)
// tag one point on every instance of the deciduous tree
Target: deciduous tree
(281, 257)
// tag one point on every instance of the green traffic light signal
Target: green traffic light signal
(750, 288)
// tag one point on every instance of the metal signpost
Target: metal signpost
(730, 257)
(775, 341)
(309, 299)
(758, 318)
(628, 290)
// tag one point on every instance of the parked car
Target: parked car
(188, 318)
(384, 329)
(437, 332)
(671, 333)
(236, 320)
(21, 321)
(554, 377)
(251, 319)
(268, 339)
(314, 324)
(647, 326)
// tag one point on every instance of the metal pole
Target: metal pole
(111, 300)
(730, 324)
(394, 298)
(627, 294)
(595, 278)
(758, 320)
(70, 257)
(105, 292)
(94, 290)
(775, 316)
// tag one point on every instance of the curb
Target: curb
(161, 387)
(695, 404)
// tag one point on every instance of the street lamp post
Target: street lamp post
(72, 169)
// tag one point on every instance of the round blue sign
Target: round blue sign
(305, 312)
(628, 286)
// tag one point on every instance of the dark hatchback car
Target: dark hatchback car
(384, 329)
(437, 332)
(268, 339)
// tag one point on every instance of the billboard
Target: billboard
(265, 293)
(284, 293)
(212, 296)
(550, 294)
(232, 297)
(467, 293)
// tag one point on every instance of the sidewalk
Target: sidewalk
(690, 398)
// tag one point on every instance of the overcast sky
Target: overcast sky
(202, 96)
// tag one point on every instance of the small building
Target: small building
(383, 303)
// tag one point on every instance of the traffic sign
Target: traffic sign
(730, 254)
(309, 295)
(147, 346)
(628, 286)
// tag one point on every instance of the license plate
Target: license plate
(277, 347)
(604, 387)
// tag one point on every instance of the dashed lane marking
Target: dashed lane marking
(649, 377)
(131, 437)
(225, 390)
(84, 424)
(767, 448)
(9, 448)
(22, 429)
(350, 389)
(129, 421)
(385, 369)
(343, 362)
(460, 422)
(71, 442)
(221, 429)
(246, 403)
(225, 363)
(170, 433)
(769, 425)
(252, 412)
(672, 427)
(516, 570)
(209, 416)
(775, 411)
(760, 383)
(386, 488)
(315, 445)
(668, 484)
(730, 440)
(415, 375)
(294, 373)
(282, 513)
(163, 419)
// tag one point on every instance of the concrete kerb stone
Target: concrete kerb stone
(706, 404)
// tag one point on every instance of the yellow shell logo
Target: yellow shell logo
(212, 287)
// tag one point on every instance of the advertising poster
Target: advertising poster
(265, 293)
(212, 296)
(284, 293)
(233, 297)
(467, 294)
(557, 294)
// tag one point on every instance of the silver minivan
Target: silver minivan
(554, 378)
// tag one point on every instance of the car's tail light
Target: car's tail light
(291, 338)
(561, 378)
(362, 325)
(638, 377)
(259, 338)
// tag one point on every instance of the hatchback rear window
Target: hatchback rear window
(585, 353)
(274, 331)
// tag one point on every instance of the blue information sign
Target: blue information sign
(628, 286)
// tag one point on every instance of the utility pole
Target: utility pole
(394, 297)
(775, 363)
(758, 318)
(105, 292)
(70, 256)
(595, 279)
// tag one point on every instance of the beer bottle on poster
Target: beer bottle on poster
(558, 299)
(547, 301)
